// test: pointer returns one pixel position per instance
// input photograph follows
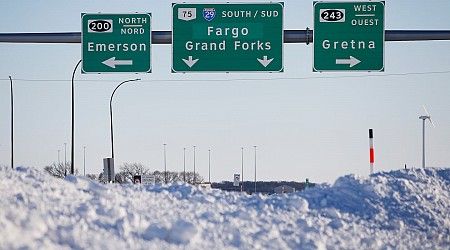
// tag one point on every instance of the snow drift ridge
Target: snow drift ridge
(404, 209)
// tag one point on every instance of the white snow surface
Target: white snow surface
(404, 209)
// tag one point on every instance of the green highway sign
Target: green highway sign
(116, 43)
(225, 37)
(348, 36)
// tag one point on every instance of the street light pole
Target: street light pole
(65, 159)
(255, 169)
(184, 165)
(165, 164)
(209, 166)
(84, 160)
(12, 124)
(242, 171)
(194, 166)
(111, 114)
(72, 155)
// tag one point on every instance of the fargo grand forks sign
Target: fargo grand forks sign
(227, 37)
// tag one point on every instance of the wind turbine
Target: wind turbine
(423, 118)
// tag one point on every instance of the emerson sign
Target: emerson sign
(227, 37)
(116, 43)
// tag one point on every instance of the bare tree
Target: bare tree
(159, 176)
(190, 177)
(177, 176)
(101, 177)
(59, 170)
(121, 178)
(173, 177)
(128, 170)
(92, 176)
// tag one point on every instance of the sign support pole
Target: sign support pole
(72, 154)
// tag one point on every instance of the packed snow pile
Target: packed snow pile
(405, 209)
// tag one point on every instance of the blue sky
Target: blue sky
(305, 124)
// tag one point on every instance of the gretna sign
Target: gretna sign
(227, 37)
(352, 44)
(348, 36)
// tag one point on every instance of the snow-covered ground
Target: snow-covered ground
(405, 209)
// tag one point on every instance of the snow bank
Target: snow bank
(406, 209)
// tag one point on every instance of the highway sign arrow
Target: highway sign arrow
(189, 62)
(352, 61)
(112, 62)
(264, 61)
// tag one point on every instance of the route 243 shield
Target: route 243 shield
(209, 13)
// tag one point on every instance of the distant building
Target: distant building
(284, 189)
(205, 185)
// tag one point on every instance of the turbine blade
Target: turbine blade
(426, 112)
(431, 121)
(429, 116)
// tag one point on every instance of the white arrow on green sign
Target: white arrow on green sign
(116, 43)
(227, 37)
(348, 36)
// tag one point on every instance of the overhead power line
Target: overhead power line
(239, 79)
